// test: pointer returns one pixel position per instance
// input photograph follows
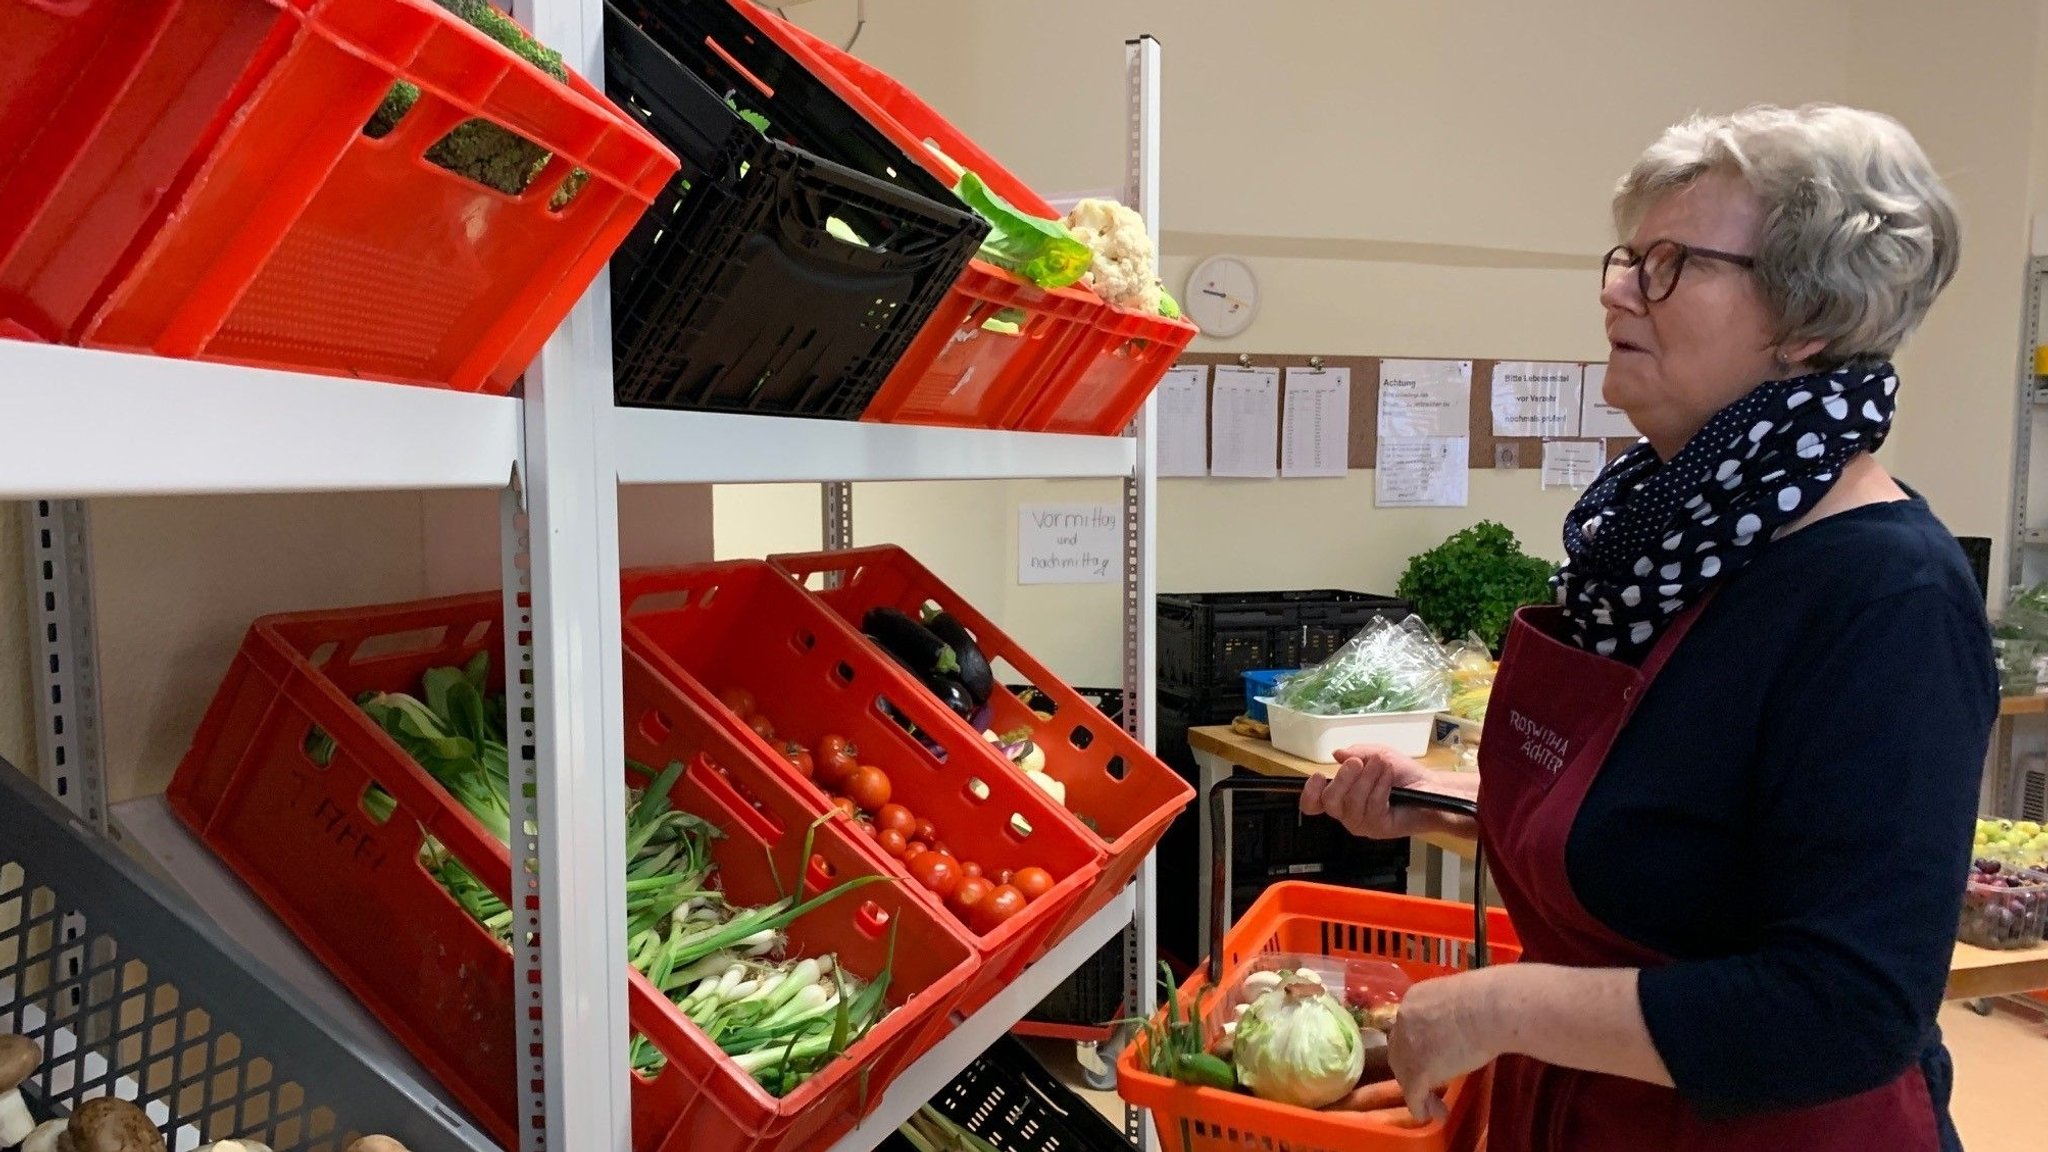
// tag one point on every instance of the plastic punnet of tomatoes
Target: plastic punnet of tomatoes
(1107, 784)
(936, 806)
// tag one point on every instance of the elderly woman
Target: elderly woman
(1727, 785)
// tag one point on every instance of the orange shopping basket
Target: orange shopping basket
(1424, 938)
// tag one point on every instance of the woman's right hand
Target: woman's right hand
(1359, 795)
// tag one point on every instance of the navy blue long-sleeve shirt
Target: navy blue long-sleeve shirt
(1789, 814)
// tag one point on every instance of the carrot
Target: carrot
(1395, 1117)
(1370, 1097)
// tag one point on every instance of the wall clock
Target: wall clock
(1222, 296)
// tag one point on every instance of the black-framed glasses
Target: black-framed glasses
(1658, 267)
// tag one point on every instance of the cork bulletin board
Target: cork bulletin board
(1365, 405)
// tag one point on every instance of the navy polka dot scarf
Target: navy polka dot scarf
(1651, 537)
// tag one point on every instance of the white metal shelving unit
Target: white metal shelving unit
(77, 424)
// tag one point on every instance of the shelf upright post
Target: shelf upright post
(2020, 544)
(838, 502)
(1141, 499)
(573, 787)
(58, 546)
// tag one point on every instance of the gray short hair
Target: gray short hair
(1859, 234)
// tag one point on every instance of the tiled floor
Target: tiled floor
(2001, 1100)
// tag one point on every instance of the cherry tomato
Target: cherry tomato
(969, 870)
(762, 728)
(995, 909)
(926, 832)
(898, 817)
(941, 847)
(845, 805)
(868, 787)
(936, 871)
(972, 891)
(836, 760)
(914, 847)
(1003, 877)
(1032, 882)
(739, 700)
(892, 842)
(799, 759)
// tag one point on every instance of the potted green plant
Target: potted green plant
(1472, 583)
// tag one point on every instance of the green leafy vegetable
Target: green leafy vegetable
(1474, 582)
(1041, 251)
(1297, 1044)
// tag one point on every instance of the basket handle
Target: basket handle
(1219, 884)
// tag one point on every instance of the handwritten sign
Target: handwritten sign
(1070, 543)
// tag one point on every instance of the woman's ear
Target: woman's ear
(1799, 353)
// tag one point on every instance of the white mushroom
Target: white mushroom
(45, 1137)
(19, 1059)
(375, 1144)
(111, 1124)
(236, 1146)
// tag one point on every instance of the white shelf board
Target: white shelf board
(149, 831)
(76, 422)
(972, 1036)
(664, 447)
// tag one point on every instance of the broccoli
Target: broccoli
(478, 149)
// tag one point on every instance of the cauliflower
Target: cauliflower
(1123, 271)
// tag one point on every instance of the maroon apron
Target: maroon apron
(1554, 713)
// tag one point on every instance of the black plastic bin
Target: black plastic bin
(1009, 1099)
(131, 991)
(732, 293)
(1209, 640)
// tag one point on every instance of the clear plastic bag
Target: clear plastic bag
(1371, 989)
(1386, 668)
(1472, 671)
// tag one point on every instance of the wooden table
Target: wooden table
(1974, 974)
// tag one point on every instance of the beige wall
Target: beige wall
(1432, 180)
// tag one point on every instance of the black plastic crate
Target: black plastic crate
(1271, 841)
(131, 990)
(1009, 1099)
(731, 293)
(1209, 640)
(1108, 701)
(1090, 998)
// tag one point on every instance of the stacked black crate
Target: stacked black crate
(1207, 641)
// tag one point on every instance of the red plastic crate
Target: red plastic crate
(1116, 366)
(353, 891)
(303, 244)
(1426, 938)
(958, 375)
(106, 104)
(741, 624)
(1127, 794)
(1105, 372)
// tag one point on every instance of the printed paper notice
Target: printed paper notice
(1599, 418)
(1245, 436)
(1183, 417)
(1316, 439)
(1536, 399)
(1070, 543)
(1425, 398)
(1572, 463)
(1422, 472)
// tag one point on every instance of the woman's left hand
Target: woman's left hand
(1441, 1033)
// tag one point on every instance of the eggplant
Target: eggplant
(974, 672)
(913, 645)
(953, 694)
